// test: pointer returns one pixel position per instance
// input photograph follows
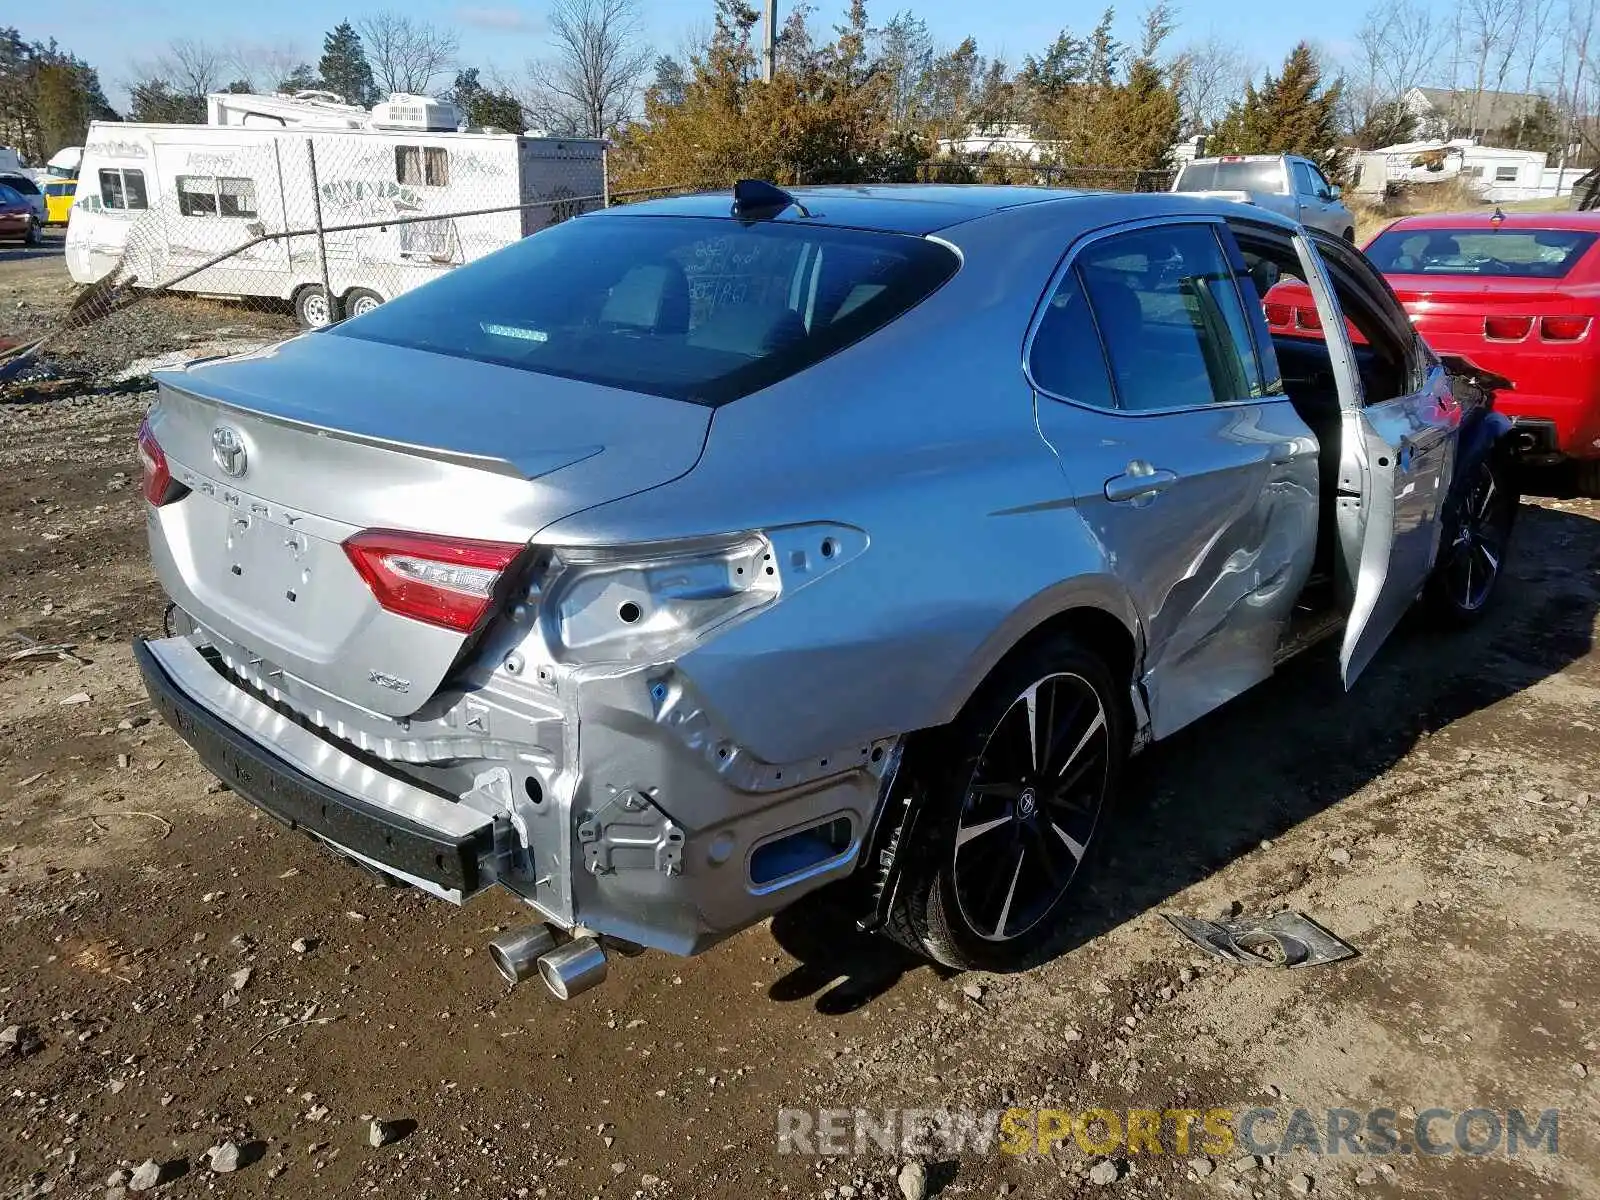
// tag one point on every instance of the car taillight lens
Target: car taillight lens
(1279, 314)
(1563, 329)
(1307, 318)
(448, 582)
(158, 485)
(1507, 329)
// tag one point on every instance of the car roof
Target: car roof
(914, 208)
(1587, 222)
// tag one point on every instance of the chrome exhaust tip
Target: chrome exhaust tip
(516, 952)
(574, 968)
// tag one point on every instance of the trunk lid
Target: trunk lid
(290, 451)
(1449, 312)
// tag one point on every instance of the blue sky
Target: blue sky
(112, 35)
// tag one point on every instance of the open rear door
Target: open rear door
(1397, 447)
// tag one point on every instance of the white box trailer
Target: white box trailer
(155, 202)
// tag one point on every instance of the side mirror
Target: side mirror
(1334, 191)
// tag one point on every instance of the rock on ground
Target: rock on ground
(913, 1181)
(1105, 1171)
(224, 1157)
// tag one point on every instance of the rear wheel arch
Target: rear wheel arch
(1096, 610)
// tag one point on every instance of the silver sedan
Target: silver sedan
(688, 556)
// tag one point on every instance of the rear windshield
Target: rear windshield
(1512, 253)
(698, 309)
(1263, 176)
(21, 183)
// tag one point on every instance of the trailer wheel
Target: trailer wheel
(360, 301)
(311, 307)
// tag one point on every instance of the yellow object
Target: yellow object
(58, 194)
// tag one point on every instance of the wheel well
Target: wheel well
(1096, 628)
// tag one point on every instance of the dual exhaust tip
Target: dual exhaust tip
(567, 970)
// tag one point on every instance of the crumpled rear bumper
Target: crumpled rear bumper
(292, 774)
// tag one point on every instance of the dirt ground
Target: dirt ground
(1442, 818)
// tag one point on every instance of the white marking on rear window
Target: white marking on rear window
(514, 331)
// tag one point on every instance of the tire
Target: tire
(33, 237)
(995, 859)
(1586, 475)
(358, 301)
(1472, 552)
(311, 308)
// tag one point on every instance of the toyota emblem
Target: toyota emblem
(227, 449)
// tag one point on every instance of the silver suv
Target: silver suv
(686, 557)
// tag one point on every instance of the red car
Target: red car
(16, 216)
(1518, 295)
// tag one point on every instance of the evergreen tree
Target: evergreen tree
(302, 79)
(670, 80)
(1290, 114)
(47, 97)
(465, 89)
(499, 109)
(344, 67)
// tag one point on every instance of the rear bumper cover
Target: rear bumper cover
(309, 785)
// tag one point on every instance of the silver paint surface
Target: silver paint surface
(973, 509)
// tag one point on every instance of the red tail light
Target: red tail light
(158, 486)
(448, 582)
(1307, 318)
(1563, 329)
(1507, 329)
(1279, 314)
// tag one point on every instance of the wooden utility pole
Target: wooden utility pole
(769, 38)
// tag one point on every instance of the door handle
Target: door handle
(1140, 479)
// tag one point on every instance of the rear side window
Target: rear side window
(1510, 253)
(1175, 329)
(1239, 176)
(698, 309)
(1067, 358)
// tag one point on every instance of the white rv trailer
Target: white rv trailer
(157, 201)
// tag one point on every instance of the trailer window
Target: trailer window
(236, 197)
(122, 190)
(197, 195)
(422, 166)
(208, 196)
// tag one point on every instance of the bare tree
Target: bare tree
(406, 55)
(590, 84)
(1209, 75)
(1490, 31)
(192, 68)
(1394, 52)
(263, 67)
(1575, 85)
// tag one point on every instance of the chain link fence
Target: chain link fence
(301, 229)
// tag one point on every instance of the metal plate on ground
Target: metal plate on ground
(1285, 939)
